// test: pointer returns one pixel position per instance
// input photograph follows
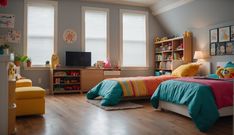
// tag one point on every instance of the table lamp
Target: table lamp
(200, 55)
(204, 68)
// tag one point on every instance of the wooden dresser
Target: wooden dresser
(12, 108)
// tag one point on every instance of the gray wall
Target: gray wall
(69, 16)
(198, 17)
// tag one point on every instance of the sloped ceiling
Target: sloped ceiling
(156, 6)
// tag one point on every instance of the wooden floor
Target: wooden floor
(72, 115)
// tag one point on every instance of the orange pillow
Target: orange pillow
(186, 70)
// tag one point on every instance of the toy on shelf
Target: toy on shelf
(54, 61)
(156, 39)
(164, 38)
(107, 63)
(179, 47)
(11, 71)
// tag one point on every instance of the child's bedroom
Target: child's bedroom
(116, 67)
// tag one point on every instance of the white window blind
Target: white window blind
(96, 34)
(134, 46)
(40, 33)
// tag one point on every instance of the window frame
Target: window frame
(40, 3)
(122, 11)
(83, 9)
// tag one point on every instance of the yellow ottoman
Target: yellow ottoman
(23, 83)
(30, 101)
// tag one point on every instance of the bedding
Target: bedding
(203, 97)
(114, 89)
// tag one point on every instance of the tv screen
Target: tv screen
(79, 59)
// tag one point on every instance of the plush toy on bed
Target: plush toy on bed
(227, 71)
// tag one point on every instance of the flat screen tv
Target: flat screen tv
(78, 59)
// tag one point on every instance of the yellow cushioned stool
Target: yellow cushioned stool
(23, 83)
(30, 101)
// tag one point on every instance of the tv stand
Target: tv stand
(78, 79)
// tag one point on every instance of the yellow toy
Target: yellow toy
(227, 71)
(156, 39)
(164, 38)
(54, 61)
(11, 71)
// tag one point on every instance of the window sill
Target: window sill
(135, 68)
(37, 68)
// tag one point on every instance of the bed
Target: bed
(114, 89)
(202, 99)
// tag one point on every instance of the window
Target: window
(40, 31)
(134, 43)
(95, 31)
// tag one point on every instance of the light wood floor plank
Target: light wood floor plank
(72, 115)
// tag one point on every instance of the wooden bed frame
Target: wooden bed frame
(183, 110)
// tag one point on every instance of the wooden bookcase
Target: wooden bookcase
(66, 80)
(171, 53)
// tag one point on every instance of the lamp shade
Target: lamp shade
(200, 55)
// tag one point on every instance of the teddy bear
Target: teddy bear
(227, 71)
(54, 61)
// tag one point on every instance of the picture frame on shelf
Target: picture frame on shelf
(230, 48)
(214, 35)
(213, 49)
(221, 48)
(232, 33)
(224, 34)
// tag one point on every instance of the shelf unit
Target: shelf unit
(66, 80)
(171, 53)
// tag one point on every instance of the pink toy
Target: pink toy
(107, 64)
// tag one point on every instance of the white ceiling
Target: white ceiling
(157, 6)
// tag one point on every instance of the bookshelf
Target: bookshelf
(78, 80)
(171, 53)
(66, 80)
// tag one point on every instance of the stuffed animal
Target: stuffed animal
(11, 71)
(156, 39)
(227, 71)
(107, 63)
(54, 61)
(164, 38)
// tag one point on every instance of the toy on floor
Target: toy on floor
(227, 71)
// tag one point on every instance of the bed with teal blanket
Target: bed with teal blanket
(203, 98)
(114, 89)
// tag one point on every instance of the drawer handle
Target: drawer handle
(12, 106)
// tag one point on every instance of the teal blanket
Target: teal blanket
(197, 97)
(110, 90)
